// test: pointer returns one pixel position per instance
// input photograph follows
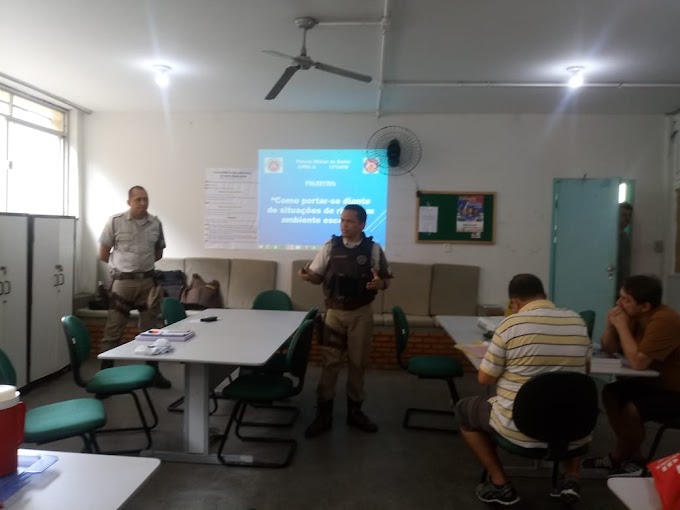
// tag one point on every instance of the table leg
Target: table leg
(196, 408)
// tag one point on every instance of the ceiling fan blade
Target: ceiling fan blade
(342, 72)
(278, 54)
(287, 75)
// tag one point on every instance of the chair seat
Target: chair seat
(436, 367)
(121, 379)
(259, 388)
(535, 453)
(64, 419)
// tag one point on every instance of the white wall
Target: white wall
(516, 156)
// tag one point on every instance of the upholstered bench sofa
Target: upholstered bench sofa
(421, 290)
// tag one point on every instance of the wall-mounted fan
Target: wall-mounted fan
(304, 62)
(396, 149)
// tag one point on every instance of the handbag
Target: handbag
(200, 295)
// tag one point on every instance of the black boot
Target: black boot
(356, 418)
(159, 381)
(323, 421)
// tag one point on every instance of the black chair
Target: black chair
(257, 389)
(425, 367)
(588, 317)
(671, 424)
(556, 408)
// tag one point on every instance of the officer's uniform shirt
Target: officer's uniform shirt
(134, 242)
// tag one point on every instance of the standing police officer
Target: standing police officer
(131, 243)
(352, 269)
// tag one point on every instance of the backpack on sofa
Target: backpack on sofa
(201, 295)
(172, 282)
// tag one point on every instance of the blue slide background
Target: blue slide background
(302, 194)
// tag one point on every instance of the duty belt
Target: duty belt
(133, 276)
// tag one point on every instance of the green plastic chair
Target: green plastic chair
(278, 363)
(425, 367)
(256, 389)
(52, 422)
(272, 300)
(588, 317)
(172, 310)
(111, 381)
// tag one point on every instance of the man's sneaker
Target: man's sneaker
(614, 470)
(567, 490)
(504, 495)
(630, 469)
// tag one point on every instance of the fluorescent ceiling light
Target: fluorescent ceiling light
(576, 78)
(162, 77)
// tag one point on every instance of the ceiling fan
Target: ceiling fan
(304, 62)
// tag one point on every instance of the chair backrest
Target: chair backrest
(557, 408)
(298, 352)
(7, 373)
(272, 300)
(401, 333)
(172, 310)
(588, 317)
(78, 341)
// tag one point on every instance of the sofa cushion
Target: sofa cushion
(454, 290)
(409, 289)
(247, 279)
(210, 269)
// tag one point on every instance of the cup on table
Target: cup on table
(12, 414)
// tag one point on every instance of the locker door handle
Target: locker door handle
(8, 290)
(56, 280)
(61, 279)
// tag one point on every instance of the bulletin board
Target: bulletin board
(456, 217)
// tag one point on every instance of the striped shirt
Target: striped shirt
(539, 338)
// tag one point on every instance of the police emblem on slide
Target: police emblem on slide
(362, 259)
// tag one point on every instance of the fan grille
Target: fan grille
(409, 144)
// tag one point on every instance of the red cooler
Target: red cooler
(12, 413)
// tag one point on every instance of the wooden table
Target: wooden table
(82, 481)
(237, 338)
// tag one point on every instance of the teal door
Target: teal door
(584, 245)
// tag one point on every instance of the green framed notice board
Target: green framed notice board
(456, 217)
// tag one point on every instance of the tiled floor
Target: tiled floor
(345, 469)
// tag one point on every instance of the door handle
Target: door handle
(61, 278)
(56, 280)
(610, 272)
(9, 287)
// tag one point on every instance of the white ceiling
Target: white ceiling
(98, 54)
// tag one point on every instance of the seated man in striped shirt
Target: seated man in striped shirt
(521, 344)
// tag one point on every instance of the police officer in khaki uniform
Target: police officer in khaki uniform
(131, 243)
(352, 269)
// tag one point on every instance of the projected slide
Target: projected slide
(303, 192)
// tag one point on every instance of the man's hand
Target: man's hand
(618, 319)
(376, 283)
(309, 276)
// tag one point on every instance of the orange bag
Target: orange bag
(666, 473)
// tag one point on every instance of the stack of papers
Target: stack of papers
(607, 359)
(169, 334)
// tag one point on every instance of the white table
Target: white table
(636, 493)
(81, 481)
(237, 338)
(464, 330)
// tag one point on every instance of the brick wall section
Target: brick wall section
(429, 342)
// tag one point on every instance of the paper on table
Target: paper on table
(476, 350)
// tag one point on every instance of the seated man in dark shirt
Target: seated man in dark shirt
(648, 335)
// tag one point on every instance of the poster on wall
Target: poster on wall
(230, 208)
(470, 214)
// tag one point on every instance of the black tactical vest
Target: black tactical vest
(348, 272)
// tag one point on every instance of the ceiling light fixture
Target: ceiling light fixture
(162, 77)
(576, 78)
